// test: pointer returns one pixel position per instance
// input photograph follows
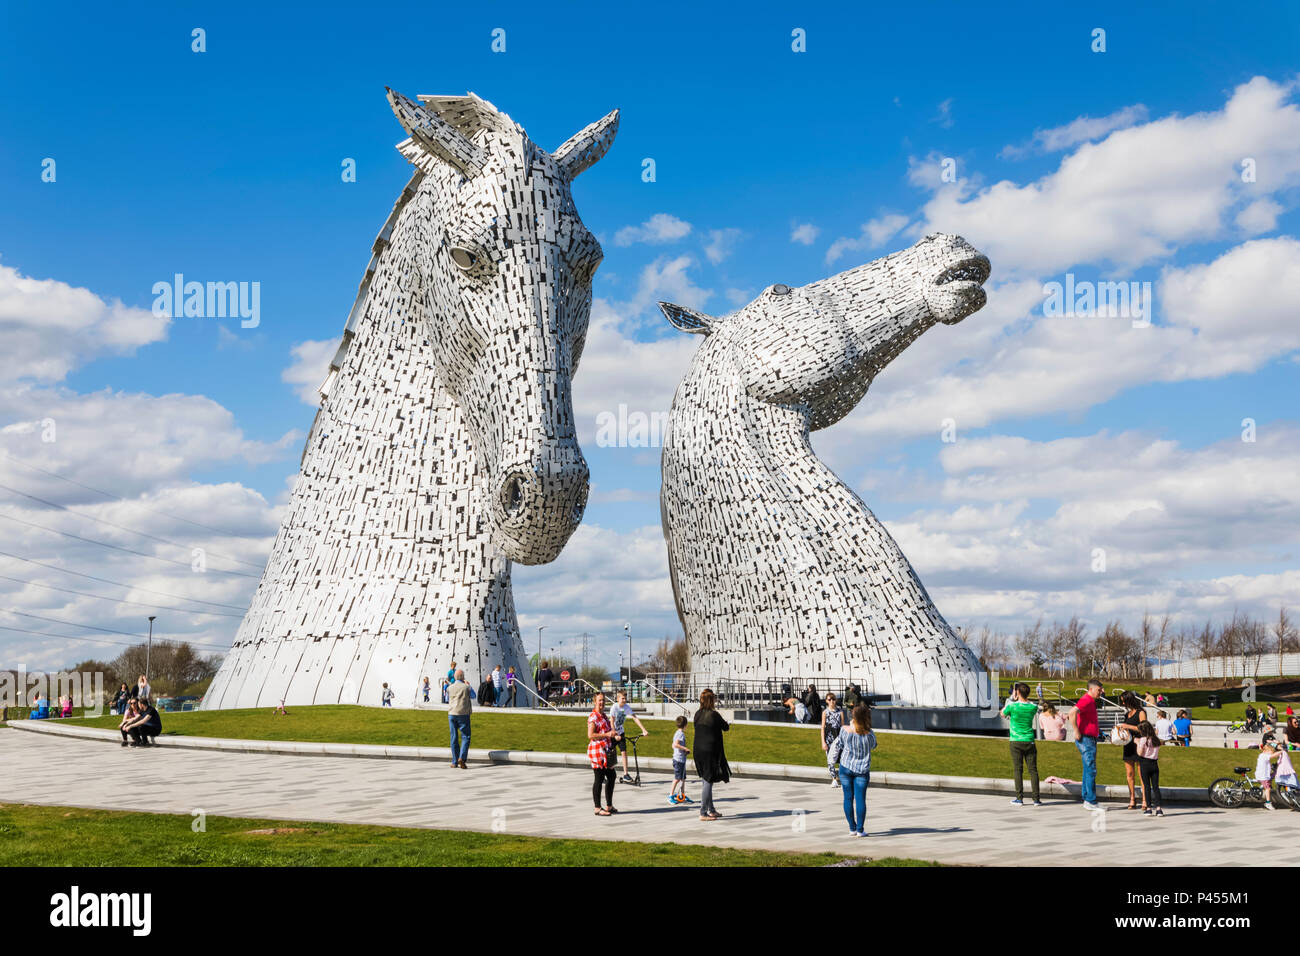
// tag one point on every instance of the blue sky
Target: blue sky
(225, 165)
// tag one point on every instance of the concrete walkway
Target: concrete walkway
(556, 802)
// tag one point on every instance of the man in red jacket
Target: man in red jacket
(1086, 732)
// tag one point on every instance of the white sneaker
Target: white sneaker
(1090, 806)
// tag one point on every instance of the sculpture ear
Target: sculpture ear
(588, 145)
(687, 320)
(435, 136)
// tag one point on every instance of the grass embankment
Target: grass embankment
(1194, 699)
(65, 836)
(780, 743)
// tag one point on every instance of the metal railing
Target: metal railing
(667, 696)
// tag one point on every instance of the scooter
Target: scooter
(636, 762)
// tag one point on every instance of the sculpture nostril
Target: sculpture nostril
(512, 495)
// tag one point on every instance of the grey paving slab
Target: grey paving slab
(556, 802)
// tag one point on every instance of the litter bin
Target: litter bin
(1212, 701)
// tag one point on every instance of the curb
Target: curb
(764, 771)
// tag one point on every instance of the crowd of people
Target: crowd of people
(847, 741)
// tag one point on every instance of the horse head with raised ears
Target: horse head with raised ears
(506, 287)
(777, 566)
(817, 347)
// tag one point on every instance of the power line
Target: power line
(95, 640)
(109, 494)
(179, 597)
(55, 620)
(143, 534)
(93, 627)
(101, 597)
(118, 547)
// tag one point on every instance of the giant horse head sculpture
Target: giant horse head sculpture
(778, 568)
(507, 297)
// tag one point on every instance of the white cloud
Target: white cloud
(659, 228)
(944, 114)
(1162, 512)
(996, 365)
(875, 233)
(144, 449)
(804, 234)
(1081, 130)
(666, 279)
(50, 327)
(1134, 197)
(617, 369)
(721, 243)
(311, 363)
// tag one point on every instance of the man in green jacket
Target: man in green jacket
(1020, 713)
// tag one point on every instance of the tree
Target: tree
(670, 656)
(1076, 644)
(1028, 645)
(1287, 637)
(1205, 642)
(173, 666)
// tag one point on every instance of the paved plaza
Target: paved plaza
(556, 802)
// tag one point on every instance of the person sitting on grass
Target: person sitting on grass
(1291, 732)
(1164, 727)
(680, 753)
(40, 708)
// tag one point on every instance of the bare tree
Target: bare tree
(1076, 642)
(1205, 646)
(1028, 645)
(1146, 637)
(1286, 635)
(1254, 641)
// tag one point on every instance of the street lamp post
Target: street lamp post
(627, 629)
(539, 658)
(148, 651)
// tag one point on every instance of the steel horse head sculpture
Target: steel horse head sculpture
(778, 568)
(444, 446)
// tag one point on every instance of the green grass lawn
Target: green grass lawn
(1195, 700)
(65, 836)
(780, 743)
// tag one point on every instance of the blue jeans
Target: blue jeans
(459, 724)
(855, 796)
(1088, 751)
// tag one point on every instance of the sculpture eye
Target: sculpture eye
(464, 258)
(780, 290)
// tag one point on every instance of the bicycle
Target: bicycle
(1229, 793)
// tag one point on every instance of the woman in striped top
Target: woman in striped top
(852, 751)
